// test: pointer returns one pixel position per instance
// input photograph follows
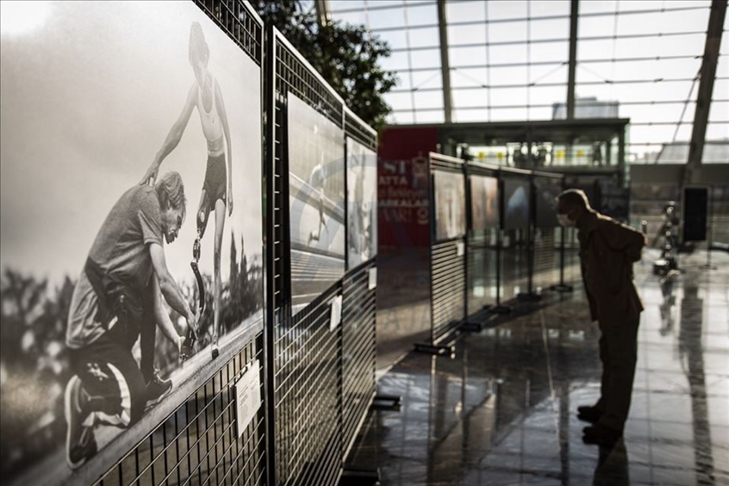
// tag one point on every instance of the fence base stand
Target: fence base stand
(438, 350)
(500, 310)
(472, 326)
(561, 288)
(360, 477)
(529, 297)
(391, 403)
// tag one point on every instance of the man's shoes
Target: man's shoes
(588, 413)
(80, 441)
(157, 387)
(601, 435)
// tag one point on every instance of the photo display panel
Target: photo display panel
(317, 204)
(484, 202)
(361, 203)
(100, 100)
(516, 203)
(450, 205)
(547, 189)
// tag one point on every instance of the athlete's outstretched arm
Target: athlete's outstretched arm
(229, 155)
(168, 286)
(174, 136)
(162, 318)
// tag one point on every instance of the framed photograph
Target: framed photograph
(361, 203)
(546, 191)
(450, 205)
(516, 203)
(131, 148)
(317, 202)
(484, 202)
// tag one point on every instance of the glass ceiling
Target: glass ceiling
(509, 62)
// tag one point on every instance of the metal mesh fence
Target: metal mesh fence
(514, 263)
(447, 258)
(198, 444)
(481, 255)
(447, 288)
(359, 351)
(310, 382)
(546, 259)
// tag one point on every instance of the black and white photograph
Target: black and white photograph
(317, 202)
(361, 203)
(131, 237)
(516, 203)
(484, 202)
(450, 205)
(546, 191)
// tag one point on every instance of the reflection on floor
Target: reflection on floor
(503, 411)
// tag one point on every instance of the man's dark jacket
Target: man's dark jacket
(608, 250)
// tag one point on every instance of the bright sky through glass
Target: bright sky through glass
(508, 61)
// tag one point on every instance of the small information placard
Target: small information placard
(460, 247)
(372, 284)
(336, 312)
(248, 396)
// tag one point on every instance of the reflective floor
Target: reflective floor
(502, 412)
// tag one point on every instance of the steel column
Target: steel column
(574, 9)
(706, 87)
(445, 65)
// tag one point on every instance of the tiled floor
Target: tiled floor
(502, 412)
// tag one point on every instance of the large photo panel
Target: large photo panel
(516, 203)
(484, 202)
(111, 113)
(361, 203)
(547, 189)
(317, 202)
(450, 205)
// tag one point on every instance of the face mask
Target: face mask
(565, 221)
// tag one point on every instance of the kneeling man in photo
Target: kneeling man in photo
(118, 300)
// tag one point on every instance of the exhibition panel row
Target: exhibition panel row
(159, 324)
(492, 239)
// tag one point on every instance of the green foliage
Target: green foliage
(347, 56)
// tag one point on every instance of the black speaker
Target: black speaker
(695, 209)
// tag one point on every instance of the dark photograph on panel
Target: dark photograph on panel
(131, 150)
(484, 202)
(516, 203)
(695, 213)
(450, 205)
(316, 198)
(361, 203)
(546, 191)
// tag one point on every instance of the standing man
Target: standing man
(608, 250)
(124, 274)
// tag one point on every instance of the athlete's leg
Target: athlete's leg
(219, 226)
(203, 212)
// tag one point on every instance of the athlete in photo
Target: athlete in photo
(124, 271)
(316, 182)
(205, 96)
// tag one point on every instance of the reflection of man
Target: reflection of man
(608, 250)
(125, 271)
